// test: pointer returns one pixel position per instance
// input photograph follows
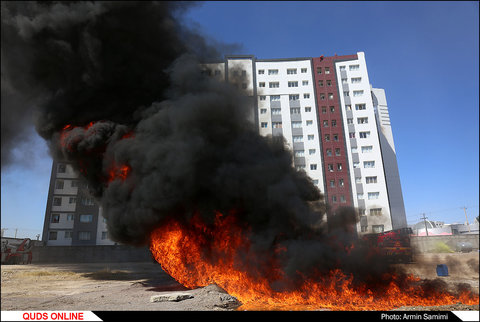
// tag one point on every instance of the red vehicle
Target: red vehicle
(17, 254)
(393, 244)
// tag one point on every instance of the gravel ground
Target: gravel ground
(129, 286)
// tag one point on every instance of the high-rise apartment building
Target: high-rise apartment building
(336, 125)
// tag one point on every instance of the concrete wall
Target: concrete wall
(90, 254)
(424, 244)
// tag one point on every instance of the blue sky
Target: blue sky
(424, 54)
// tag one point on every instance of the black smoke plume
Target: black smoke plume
(117, 89)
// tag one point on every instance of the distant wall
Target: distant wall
(90, 254)
(425, 244)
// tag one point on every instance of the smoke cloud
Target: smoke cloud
(117, 89)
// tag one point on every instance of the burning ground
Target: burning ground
(116, 88)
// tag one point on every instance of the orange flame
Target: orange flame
(119, 172)
(196, 254)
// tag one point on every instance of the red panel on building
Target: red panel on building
(337, 180)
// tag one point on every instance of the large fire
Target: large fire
(197, 254)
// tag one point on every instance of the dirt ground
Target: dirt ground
(129, 286)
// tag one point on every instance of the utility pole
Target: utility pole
(425, 222)
(466, 218)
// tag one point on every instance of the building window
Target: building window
(315, 182)
(300, 167)
(334, 198)
(319, 70)
(329, 82)
(346, 93)
(369, 164)
(329, 152)
(264, 125)
(261, 71)
(348, 107)
(52, 235)
(334, 123)
(373, 195)
(295, 110)
(291, 71)
(341, 182)
(276, 111)
(349, 121)
(84, 235)
(311, 137)
(360, 107)
(320, 83)
(332, 183)
(293, 97)
(356, 165)
(263, 111)
(339, 167)
(104, 235)
(354, 149)
(342, 67)
(303, 70)
(72, 200)
(296, 124)
(362, 120)
(70, 217)
(86, 218)
(57, 201)
(376, 211)
(273, 72)
(358, 179)
(59, 184)
(68, 234)
(354, 67)
(364, 135)
(299, 153)
(55, 218)
(298, 138)
(327, 70)
(330, 167)
(377, 229)
(311, 151)
(274, 84)
(305, 82)
(371, 179)
(62, 168)
(332, 109)
(274, 98)
(367, 149)
(261, 84)
(357, 93)
(322, 97)
(356, 80)
(342, 199)
(330, 96)
(324, 110)
(313, 167)
(335, 137)
(292, 84)
(337, 152)
(360, 196)
(306, 95)
(308, 109)
(74, 183)
(88, 201)
(309, 122)
(262, 97)
(277, 125)
(344, 81)
(325, 123)
(327, 137)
